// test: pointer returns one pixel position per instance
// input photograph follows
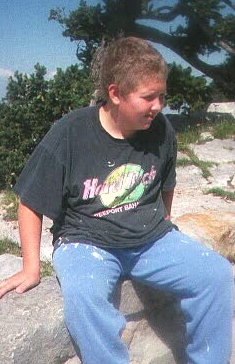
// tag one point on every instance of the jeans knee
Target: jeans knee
(83, 292)
(218, 273)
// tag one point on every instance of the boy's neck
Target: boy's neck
(109, 119)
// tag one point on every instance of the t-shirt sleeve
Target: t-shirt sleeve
(41, 184)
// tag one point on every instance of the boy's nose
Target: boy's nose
(157, 105)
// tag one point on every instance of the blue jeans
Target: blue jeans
(200, 280)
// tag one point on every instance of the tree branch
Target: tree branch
(161, 15)
(224, 45)
(229, 3)
(227, 47)
(173, 43)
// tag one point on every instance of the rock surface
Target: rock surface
(222, 107)
(9, 265)
(32, 329)
(31, 325)
(216, 230)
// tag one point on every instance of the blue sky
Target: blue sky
(27, 38)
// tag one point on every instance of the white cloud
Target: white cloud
(51, 74)
(5, 73)
(3, 85)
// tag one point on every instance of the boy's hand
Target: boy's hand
(20, 282)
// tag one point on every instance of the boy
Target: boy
(106, 176)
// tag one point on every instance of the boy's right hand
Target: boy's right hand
(20, 282)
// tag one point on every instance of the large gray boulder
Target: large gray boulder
(222, 108)
(32, 329)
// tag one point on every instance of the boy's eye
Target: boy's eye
(161, 97)
(149, 97)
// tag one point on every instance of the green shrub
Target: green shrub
(7, 246)
(217, 191)
(32, 105)
(224, 129)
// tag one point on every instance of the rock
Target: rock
(214, 229)
(73, 360)
(222, 107)
(217, 150)
(9, 230)
(46, 240)
(10, 265)
(33, 330)
(191, 192)
(205, 137)
(233, 181)
(154, 329)
(222, 176)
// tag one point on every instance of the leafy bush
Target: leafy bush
(185, 92)
(31, 106)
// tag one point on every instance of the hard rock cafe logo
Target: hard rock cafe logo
(124, 185)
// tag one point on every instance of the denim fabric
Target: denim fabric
(200, 280)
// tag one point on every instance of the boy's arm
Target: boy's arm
(30, 227)
(167, 197)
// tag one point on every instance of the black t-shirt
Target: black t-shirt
(99, 189)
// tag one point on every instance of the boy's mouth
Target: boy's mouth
(151, 116)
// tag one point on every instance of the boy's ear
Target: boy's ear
(114, 93)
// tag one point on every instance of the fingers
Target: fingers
(25, 286)
(21, 282)
(6, 286)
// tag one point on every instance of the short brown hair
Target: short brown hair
(126, 62)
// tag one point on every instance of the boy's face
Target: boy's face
(137, 109)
